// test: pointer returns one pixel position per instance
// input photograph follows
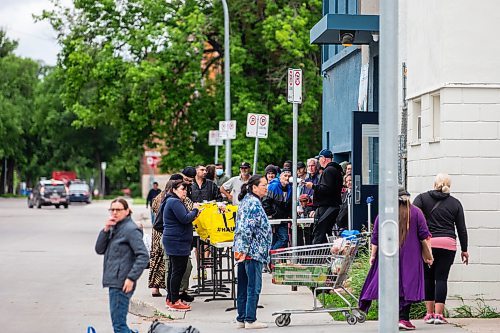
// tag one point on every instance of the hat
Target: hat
(271, 169)
(176, 176)
(245, 165)
(402, 192)
(286, 170)
(325, 153)
(304, 197)
(300, 165)
(189, 172)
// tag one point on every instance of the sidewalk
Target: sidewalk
(212, 317)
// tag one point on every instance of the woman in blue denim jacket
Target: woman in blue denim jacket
(252, 242)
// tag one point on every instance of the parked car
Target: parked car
(49, 193)
(79, 192)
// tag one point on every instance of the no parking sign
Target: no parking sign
(257, 125)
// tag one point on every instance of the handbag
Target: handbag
(158, 327)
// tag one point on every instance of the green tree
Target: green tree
(17, 85)
(153, 71)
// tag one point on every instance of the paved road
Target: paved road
(51, 276)
(50, 281)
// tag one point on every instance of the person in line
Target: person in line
(157, 273)
(220, 176)
(271, 172)
(231, 189)
(278, 205)
(204, 189)
(327, 197)
(252, 242)
(151, 196)
(412, 231)
(311, 177)
(211, 172)
(444, 214)
(304, 210)
(342, 221)
(125, 258)
(177, 240)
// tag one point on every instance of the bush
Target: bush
(135, 189)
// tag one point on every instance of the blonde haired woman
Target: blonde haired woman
(445, 217)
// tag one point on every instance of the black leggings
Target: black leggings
(176, 268)
(436, 277)
(404, 312)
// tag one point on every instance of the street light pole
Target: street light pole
(388, 204)
(227, 81)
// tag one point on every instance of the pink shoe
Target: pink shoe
(439, 319)
(406, 325)
(429, 318)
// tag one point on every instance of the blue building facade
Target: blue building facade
(350, 135)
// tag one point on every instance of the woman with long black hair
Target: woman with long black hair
(252, 242)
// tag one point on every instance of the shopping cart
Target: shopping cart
(324, 268)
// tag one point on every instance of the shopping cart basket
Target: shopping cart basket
(322, 267)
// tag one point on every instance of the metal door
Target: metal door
(365, 166)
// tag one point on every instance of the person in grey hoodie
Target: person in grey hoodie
(125, 257)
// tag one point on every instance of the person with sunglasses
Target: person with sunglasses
(125, 258)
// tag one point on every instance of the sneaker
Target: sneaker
(240, 324)
(429, 318)
(255, 325)
(439, 319)
(168, 303)
(184, 296)
(179, 306)
(406, 325)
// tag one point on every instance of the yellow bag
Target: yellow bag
(221, 226)
(207, 210)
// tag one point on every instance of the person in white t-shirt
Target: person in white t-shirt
(232, 188)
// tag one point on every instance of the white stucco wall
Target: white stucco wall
(469, 150)
(450, 52)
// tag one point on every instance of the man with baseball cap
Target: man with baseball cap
(327, 196)
(232, 188)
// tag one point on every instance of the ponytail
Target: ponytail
(248, 186)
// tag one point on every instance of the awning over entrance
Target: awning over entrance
(338, 28)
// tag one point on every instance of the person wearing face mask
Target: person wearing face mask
(220, 176)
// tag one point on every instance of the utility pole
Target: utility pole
(388, 204)
(227, 82)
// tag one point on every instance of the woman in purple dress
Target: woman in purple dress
(412, 231)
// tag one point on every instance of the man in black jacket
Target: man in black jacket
(204, 189)
(327, 197)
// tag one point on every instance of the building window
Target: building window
(436, 117)
(417, 121)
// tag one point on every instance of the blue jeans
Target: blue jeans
(118, 308)
(249, 287)
(280, 236)
(153, 216)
